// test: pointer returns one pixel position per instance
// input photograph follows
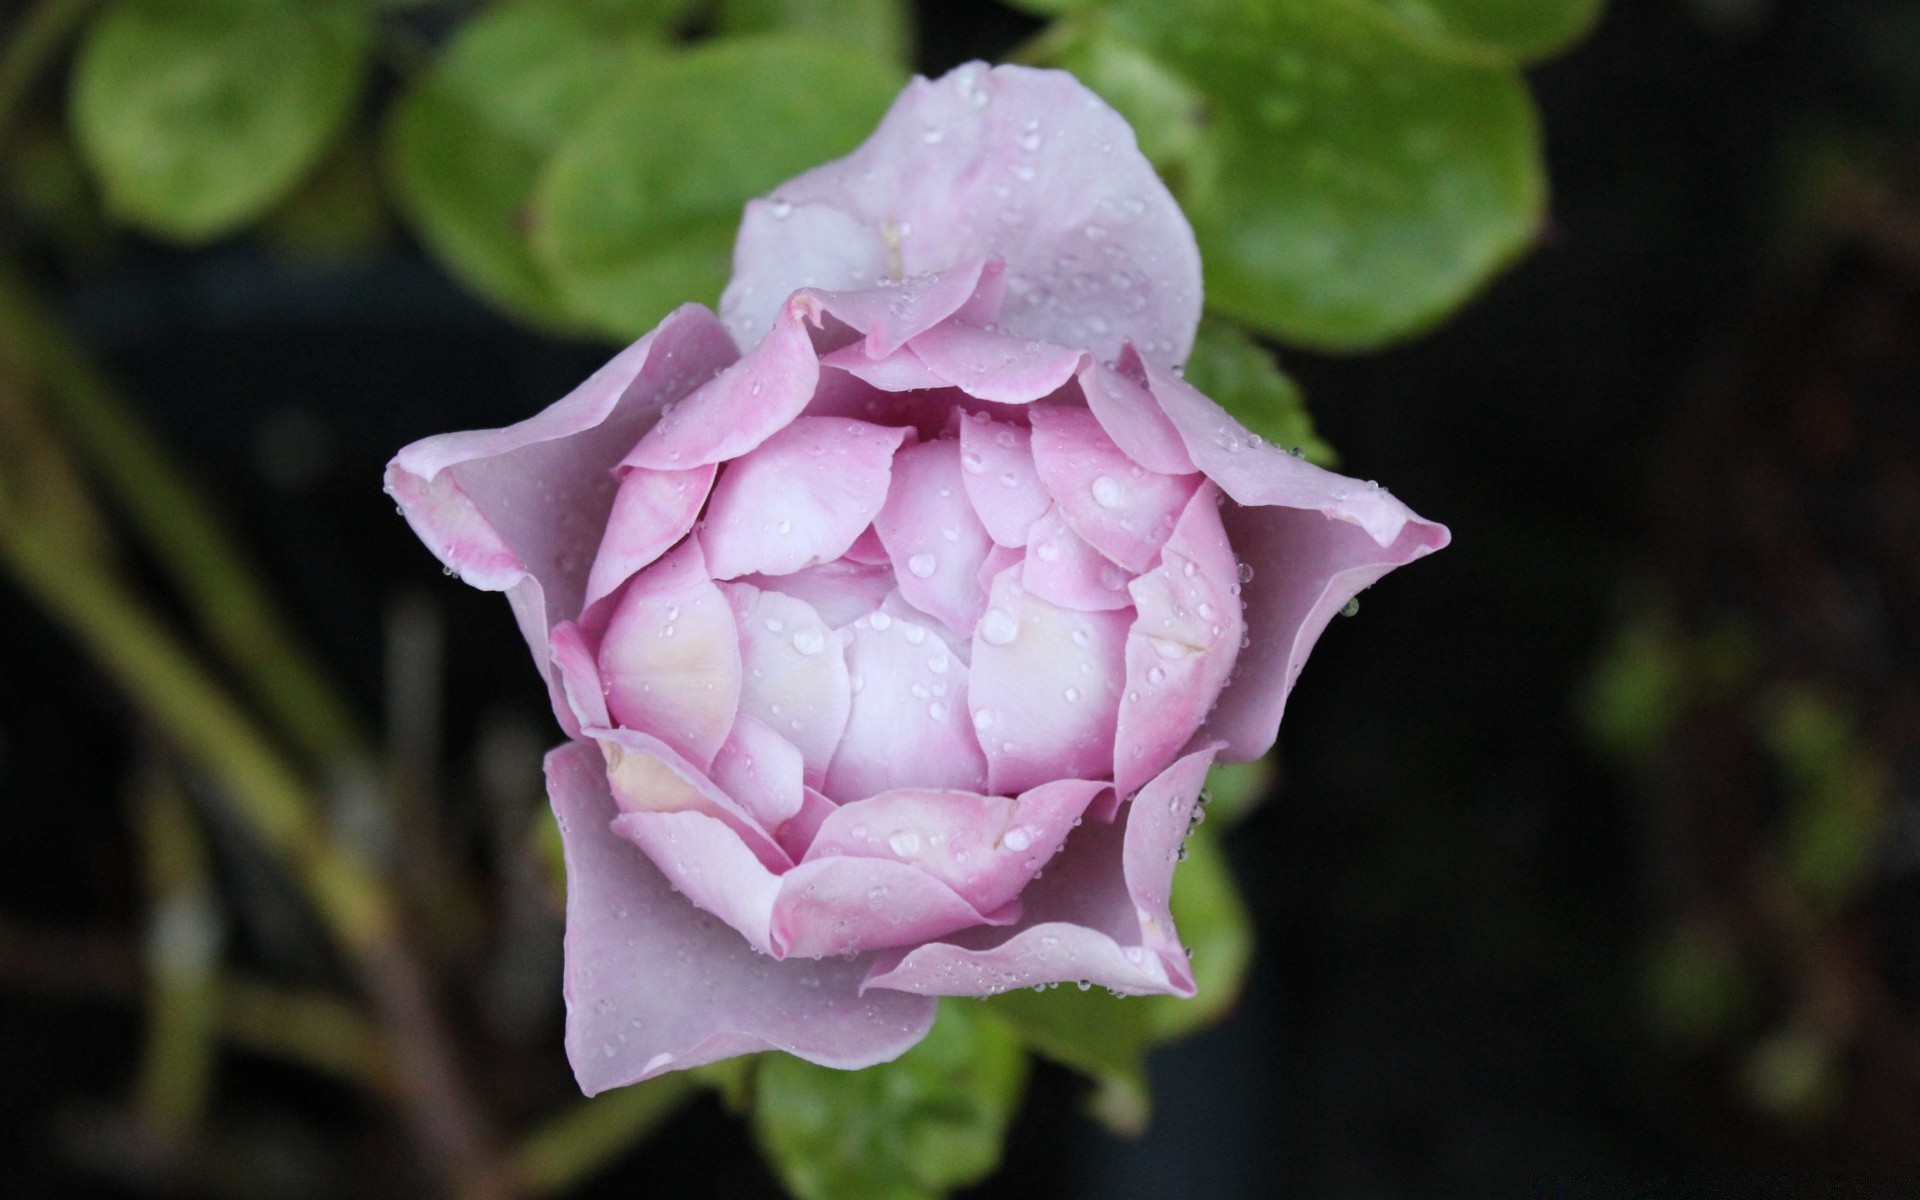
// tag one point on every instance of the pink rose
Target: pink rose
(917, 572)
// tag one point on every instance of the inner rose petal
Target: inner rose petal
(1124, 510)
(909, 725)
(931, 534)
(670, 661)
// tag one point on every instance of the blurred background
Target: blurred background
(1594, 852)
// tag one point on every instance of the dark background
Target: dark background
(1452, 890)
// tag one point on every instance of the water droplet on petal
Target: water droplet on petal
(904, 842)
(1107, 492)
(922, 565)
(1017, 839)
(998, 626)
(809, 641)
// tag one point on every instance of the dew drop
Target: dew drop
(1017, 839)
(808, 640)
(1107, 492)
(998, 626)
(922, 565)
(904, 842)
(984, 718)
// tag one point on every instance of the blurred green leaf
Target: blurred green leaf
(1236, 789)
(1696, 988)
(930, 1121)
(198, 116)
(1836, 796)
(467, 143)
(882, 27)
(1517, 30)
(338, 212)
(1105, 1036)
(636, 214)
(1349, 184)
(1639, 688)
(1238, 372)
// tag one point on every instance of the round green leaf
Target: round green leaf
(467, 143)
(636, 213)
(1347, 184)
(915, 1128)
(198, 116)
(1241, 375)
(882, 27)
(1517, 30)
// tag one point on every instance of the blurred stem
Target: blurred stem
(30, 49)
(182, 953)
(181, 529)
(572, 1147)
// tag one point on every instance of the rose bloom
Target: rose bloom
(897, 613)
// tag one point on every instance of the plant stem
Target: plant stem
(182, 530)
(36, 39)
(570, 1148)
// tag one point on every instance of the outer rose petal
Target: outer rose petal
(1045, 688)
(794, 673)
(1012, 162)
(652, 511)
(671, 658)
(1132, 418)
(932, 535)
(647, 775)
(521, 510)
(1099, 914)
(996, 464)
(1182, 647)
(800, 498)
(1124, 510)
(909, 722)
(740, 407)
(986, 848)
(655, 985)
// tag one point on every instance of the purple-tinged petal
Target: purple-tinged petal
(996, 462)
(998, 560)
(1098, 915)
(1182, 646)
(909, 725)
(1124, 510)
(655, 985)
(762, 771)
(868, 550)
(841, 592)
(900, 371)
(991, 365)
(647, 775)
(986, 848)
(1305, 567)
(797, 835)
(1128, 412)
(1256, 474)
(670, 660)
(651, 511)
(1045, 688)
(740, 407)
(892, 313)
(932, 535)
(895, 605)
(1024, 164)
(521, 509)
(852, 905)
(794, 672)
(1059, 566)
(579, 676)
(800, 498)
(708, 865)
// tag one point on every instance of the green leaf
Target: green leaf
(1106, 1037)
(636, 214)
(929, 1121)
(1238, 372)
(198, 116)
(1515, 30)
(467, 143)
(1348, 184)
(881, 27)
(1236, 789)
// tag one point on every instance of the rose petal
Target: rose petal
(851, 905)
(521, 509)
(655, 985)
(869, 550)
(794, 672)
(579, 675)
(909, 725)
(708, 865)
(996, 366)
(799, 498)
(840, 592)
(670, 660)
(1024, 164)
(651, 511)
(893, 313)
(1124, 510)
(900, 371)
(996, 464)
(1045, 688)
(1059, 566)
(1182, 646)
(740, 407)
(1130, 416)
(798, 833)
(986, 848)
(1098, 915)
(932, 535)
(762, 772)
(647, 775)
(998, 560)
